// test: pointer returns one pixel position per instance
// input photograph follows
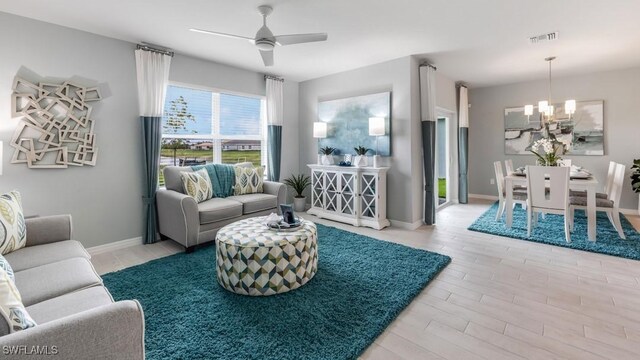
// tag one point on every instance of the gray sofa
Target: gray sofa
(189, 223)
(76, 316)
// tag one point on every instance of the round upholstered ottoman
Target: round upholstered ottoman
(254, 260)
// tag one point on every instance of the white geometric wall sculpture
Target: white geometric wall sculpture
(56, 130)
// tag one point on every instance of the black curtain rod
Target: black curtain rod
(149, 48)
(273, 78)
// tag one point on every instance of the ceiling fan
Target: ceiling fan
(265, 41)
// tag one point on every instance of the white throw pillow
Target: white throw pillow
(4, 265)
(197, 184)
(13, 230)
(11, 307)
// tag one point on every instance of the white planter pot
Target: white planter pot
(360, 161)
(299, 204)
(327, 159)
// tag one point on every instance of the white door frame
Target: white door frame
(452, 156)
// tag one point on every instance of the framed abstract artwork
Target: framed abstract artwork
(584, 130)
(348, 123)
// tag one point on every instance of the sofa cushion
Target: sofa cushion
(13, 315)
(52, 280)
(217, 209)
(70, 304)
(14, 235)
(197, 184)
(32, 256)
(252, 203)
(172, 178)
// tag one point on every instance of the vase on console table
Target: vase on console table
(327, 160)
(360, 161)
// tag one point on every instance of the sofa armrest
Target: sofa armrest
(114, 331)
(48, 229)
(277, 189)
(178, 217)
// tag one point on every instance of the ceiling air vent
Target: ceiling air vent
(544, 37)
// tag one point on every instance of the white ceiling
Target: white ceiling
(481, 42)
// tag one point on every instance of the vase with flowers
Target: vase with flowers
(548, 151)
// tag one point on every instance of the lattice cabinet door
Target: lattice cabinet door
(331, 190)
(369, 195)
(317, 188)
(348, 194)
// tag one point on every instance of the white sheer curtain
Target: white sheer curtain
(275, 109)
(463, 144)
(153, 77)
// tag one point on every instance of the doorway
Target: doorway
(443, 178)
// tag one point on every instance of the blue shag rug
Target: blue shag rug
(362, 284)
(550, 230)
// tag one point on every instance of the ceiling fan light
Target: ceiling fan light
(264, 45)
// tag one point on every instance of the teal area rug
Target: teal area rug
(361, 285)
(550, 230)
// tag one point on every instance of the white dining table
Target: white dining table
(574, 184)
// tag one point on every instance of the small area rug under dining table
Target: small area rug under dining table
(550, 230)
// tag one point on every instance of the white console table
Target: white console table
(357, 196)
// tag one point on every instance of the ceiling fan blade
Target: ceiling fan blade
(222, 34)
(300, 38)
(267, 57)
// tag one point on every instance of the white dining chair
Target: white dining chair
(508, 166)
(552, 199)
(607, 188)
(565, 163)
(519, 197)
(611, 206)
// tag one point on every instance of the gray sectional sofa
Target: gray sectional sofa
(76, 316)
(189, 223)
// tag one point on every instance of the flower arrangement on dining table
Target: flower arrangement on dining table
(549, 151)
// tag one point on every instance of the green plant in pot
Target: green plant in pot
(298, 183)
(361, 156)
(327, 155)
(635, 179)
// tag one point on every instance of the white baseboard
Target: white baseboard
(483, 197)
(117, 245)
(405, 225)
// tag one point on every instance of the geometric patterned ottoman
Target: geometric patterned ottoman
(254, 260)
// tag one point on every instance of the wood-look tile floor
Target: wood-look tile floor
(500, 298)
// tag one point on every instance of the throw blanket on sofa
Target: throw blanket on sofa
(223, 178)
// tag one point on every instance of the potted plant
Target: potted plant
(361, 158)
(327, 155)
(298, 183)
(635, 179)
(548, 151)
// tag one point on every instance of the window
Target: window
(202, 126)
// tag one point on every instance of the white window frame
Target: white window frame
(215, 136)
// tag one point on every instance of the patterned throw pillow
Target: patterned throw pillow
(197, 184)
(11, 306)
(249, 180)
(4, 265)
(13, 230)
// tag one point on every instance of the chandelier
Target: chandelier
(545, 107)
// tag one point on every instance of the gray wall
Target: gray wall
(399, 76)
(105, 200)
(619, 90)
